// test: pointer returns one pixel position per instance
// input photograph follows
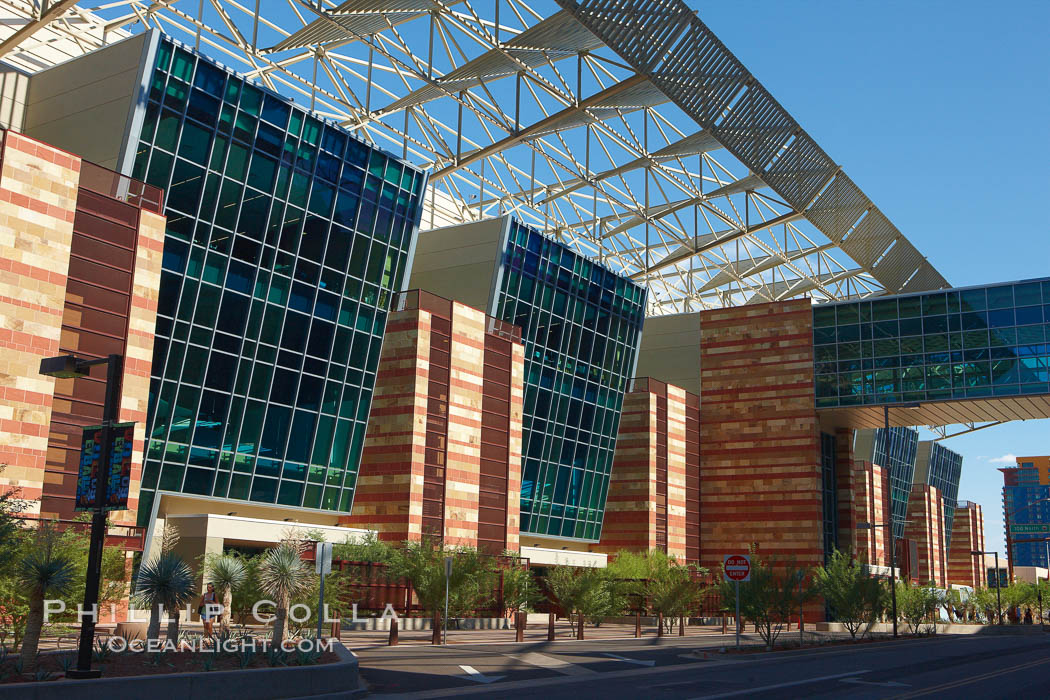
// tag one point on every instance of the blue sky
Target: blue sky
(940, 111)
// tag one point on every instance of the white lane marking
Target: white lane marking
(552, 663)
(479, 677)
(805, 681)
(630, 661)
(884, 684)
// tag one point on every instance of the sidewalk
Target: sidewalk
(363, 639)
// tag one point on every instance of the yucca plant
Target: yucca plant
(283, 575)
(44, 571)
(227, 573)
(165, 581)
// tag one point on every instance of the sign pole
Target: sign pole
(448, 574)
(110, 411)
(737, 568)
(738, 616)
(323, 564)
(320, 608)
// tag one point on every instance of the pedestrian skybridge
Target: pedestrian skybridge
(968, 355)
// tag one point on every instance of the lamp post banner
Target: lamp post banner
(116, 489)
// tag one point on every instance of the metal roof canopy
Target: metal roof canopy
(578, 116)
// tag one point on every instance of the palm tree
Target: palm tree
(227, 573)
(44, 571)
(283, 575)
(165, 581)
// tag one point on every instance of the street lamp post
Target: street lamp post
(998, 581)
(67, 367)
(893, 519)
(893, 565)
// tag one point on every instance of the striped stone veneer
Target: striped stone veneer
(38, 191)
(646, 507)
(442, 454)
(967, 536)
(79, 274)
(869, 501)
(759, 455)
(926, 529)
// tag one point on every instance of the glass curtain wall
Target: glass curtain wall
(944, 473)
(965, 343)
(285, 238)
(581, 325)
(1026, 505)
(903, 444)
(829, 493)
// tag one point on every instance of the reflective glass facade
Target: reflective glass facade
(829, 496)
(581, 325)
(286, 237)
(1026, 504)
(965, 343)
(943, 472)
(903, 444)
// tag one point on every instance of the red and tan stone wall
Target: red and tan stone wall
(38, 193)
(389, 493)
(110, 308)
(442, 454)
(647, 507)
(864, 498)
(759, 438)
(79, 274)
(926, 529)
(966, 569)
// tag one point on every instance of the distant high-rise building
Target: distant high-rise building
(581, 324)
(1026, 510)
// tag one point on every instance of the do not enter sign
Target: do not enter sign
(737, 567)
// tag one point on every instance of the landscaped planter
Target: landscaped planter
(425, 623)
(332, 680)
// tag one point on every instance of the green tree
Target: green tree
(520, 590)
(11, 525)
(44, 571)
(587, 593)
(663, 584)
(228, 573)
(917, 605)
(851, 593)
(984, 604)
(366, 549)
(1042, 598)
(470, 584)
(283, 575)
(164, 581)
(771, 598)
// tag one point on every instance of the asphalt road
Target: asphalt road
(984, 667)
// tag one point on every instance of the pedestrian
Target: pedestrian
(1028, 616)
(207, 609)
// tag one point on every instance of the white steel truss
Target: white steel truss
(623, 128)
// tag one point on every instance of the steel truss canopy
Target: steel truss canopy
(624, 128)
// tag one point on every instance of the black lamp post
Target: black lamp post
(893, 565)
(998, 581)
(893, 518)
(67, 367)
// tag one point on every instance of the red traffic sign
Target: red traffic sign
(737, 567)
